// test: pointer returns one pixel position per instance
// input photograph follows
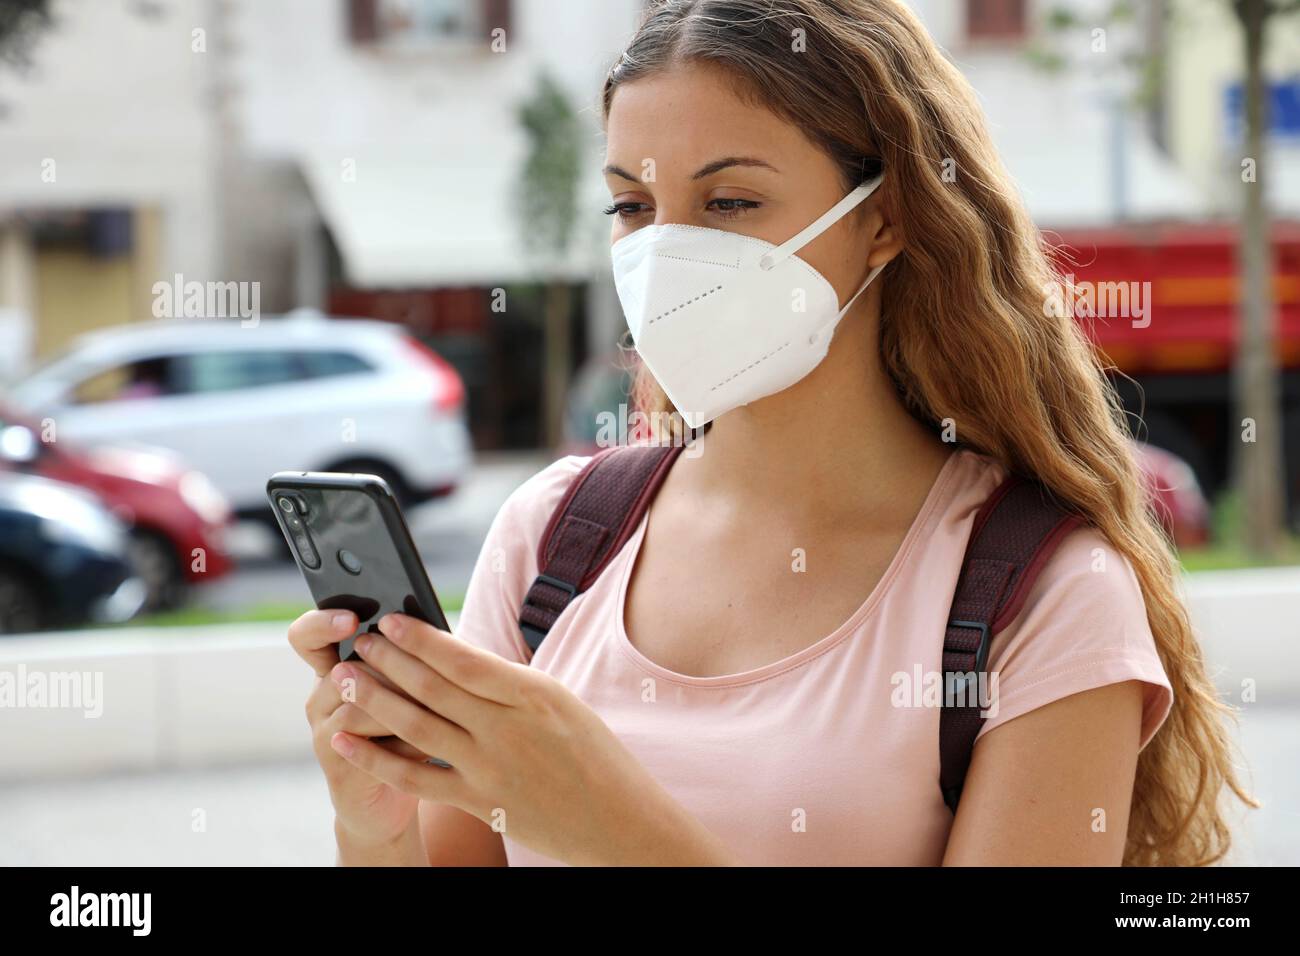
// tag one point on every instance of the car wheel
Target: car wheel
(20, 606)
(154, 560)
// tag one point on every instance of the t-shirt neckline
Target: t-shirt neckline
(928, 513)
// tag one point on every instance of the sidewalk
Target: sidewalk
(279, 814)
(129, 786)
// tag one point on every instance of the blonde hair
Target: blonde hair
(970, 286)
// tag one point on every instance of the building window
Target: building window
(996, 19)
(420, 23)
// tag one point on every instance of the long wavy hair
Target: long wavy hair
(868, 83)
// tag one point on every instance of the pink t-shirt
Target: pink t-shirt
(824, 757)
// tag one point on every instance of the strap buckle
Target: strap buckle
(570, 589)
(534, 635)
(981, 654)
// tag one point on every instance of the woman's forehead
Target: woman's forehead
(684, 121)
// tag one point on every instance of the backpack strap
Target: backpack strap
(598, 513)
(1015, 532)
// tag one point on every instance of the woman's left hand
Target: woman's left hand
(528, 757)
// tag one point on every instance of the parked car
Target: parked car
(238, 403)
(1176, 494)
(64, 559)
(178, 520)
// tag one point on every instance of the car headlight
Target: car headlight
(202, 496)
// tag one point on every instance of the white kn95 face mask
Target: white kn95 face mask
(722, 319)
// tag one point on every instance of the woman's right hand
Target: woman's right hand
(367, 810)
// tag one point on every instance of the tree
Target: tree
(1258, 471)
(548, 204)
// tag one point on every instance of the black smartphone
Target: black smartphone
(353, 548)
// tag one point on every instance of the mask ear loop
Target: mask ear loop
(819, 225)
(812, 339)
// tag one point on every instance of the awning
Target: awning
(408, 222)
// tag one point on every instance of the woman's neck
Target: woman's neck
(839, 445)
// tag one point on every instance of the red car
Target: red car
(178, 519)
(1177, 497)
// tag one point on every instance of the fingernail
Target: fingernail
(391, 625)
(363, 643)
(342, 743)
(342, 622)
(341, 673)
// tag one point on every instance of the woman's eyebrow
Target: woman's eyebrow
(620, 171)
(707, 170)
(720, 164)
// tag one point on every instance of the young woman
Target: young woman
(726, 692)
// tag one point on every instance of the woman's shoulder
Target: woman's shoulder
(522, 518)
(507, 562)
(1084, 567)
(551, 480)
(1084, 620)
(1084, 624)
(541, 492)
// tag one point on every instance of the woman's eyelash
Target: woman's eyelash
(620, 208)
(736, 207)
(731, 209)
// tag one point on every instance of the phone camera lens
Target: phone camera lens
(286, 505)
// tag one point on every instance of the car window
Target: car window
(146, 378)
(321, 364)
(227, 371)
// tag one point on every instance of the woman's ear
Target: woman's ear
(887, 241)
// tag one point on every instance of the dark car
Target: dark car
(173, 512)
(63, 558)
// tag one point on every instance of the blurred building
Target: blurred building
(107, 172)
(364, 157)
(388, 134)
(1202, 119)
(1058, 102)
(359, 156)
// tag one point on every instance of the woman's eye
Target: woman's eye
(726, 208)
(625, 210)
(731, 208)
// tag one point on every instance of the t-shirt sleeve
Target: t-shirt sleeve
(1084, 625)
(507, 562)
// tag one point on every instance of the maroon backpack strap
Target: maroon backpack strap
(593, 520)
(1014, 534)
